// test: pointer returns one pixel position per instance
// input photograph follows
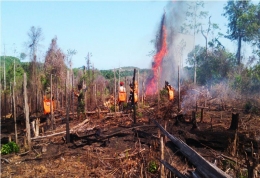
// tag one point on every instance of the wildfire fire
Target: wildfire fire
(161, 52)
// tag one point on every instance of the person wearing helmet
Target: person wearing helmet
(121, 96)
(121, 87)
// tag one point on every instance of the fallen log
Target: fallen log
(172, 169)
(73, 130)
(204, 167)
(98, 136)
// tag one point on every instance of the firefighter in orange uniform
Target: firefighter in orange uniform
(47, 101)
(170, 90)
(121, 96)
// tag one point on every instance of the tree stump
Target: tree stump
(234, 121)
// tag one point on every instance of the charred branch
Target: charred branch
(203, 166)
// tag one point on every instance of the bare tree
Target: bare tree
(54, 61)
(35, 36)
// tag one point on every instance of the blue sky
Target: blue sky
(117, 33)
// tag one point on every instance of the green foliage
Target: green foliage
(152, 167)
(124, 72)
(212, 67)
(108, 74)
(9, 68)
(10, 147)
(246, 80)
(244, 23)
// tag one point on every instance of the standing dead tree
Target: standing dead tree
(26, 112)
(35, 35)
(14, 115)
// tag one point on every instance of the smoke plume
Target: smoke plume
(169, 48)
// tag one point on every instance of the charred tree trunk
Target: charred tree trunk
(51, 106)
(115, 89)
(133, 100)
(67, 116)
(238, 55)
(72, 96)
(201, 114)
(5, 104)
(194, 121)
(234, 121)
(179, 90)
(14, 115)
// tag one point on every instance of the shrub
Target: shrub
(10, 148)
(152, 167)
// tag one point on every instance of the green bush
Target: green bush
(10, 148)
(152, 167)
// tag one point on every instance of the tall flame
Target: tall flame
(161, 52)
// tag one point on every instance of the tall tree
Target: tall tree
(194, 17)
(254, 28)
(243, 17)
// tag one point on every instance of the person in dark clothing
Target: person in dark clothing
(81, 102)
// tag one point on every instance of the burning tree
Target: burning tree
(161, 48)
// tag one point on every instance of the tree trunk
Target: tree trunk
(67, 116)
(158, 90)
(238, 55)
(234, 121)
(194, 121)
(201, 114)
(195, 69)
(133, 100)
(72, 96)
(26, 112)
(14, 106)
(179, 90)
(162, 157)
(115, 90)
(51, 107)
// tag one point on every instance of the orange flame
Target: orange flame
(152, 84)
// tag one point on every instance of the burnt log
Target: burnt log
(172, 169)
(204, 167)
